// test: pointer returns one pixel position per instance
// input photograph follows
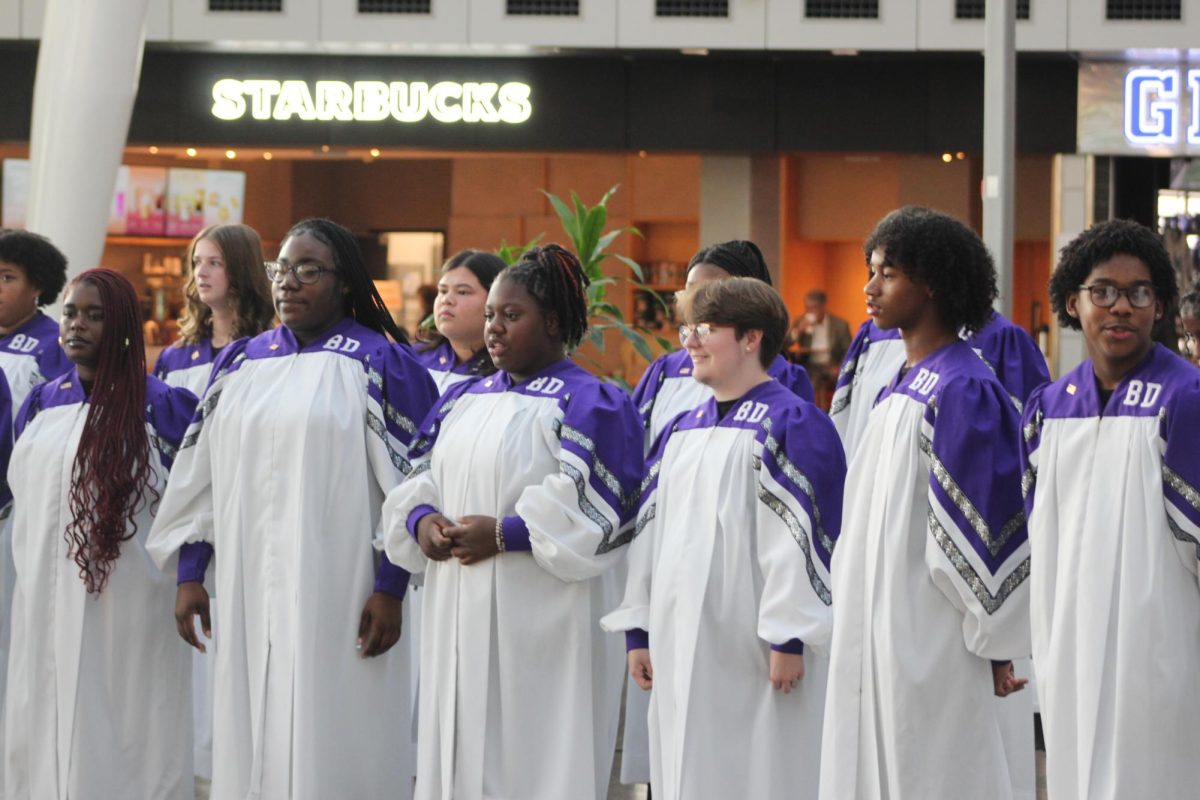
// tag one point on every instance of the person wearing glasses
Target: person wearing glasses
(282, 474)
(99, 701)
(929, 574)
(517, 512)
(1112, 480)
(666, 389)
(226, 297)
(727, 607)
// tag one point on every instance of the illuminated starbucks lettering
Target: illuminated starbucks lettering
(371, 101)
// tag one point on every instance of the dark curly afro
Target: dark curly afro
(1098, 244)
(939, 252)
(44, 264)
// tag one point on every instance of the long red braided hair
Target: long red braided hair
(111, 475)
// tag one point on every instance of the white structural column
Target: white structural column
(739, 199)
(87, 76)
(1072, 212)
(999, 141)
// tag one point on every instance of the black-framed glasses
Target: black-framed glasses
(305, 272)
(1105, 295)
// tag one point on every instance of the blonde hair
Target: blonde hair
(248, 295)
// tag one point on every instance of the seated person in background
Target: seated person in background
(818, 341)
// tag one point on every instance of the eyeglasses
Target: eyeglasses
(1105, 295)
(701, 332)
(304, 272)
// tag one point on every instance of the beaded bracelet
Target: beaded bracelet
(499, 534)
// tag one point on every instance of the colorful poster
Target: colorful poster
(185, 204)
(118, 209)
(145, 204)
(225, 193)
(14, 196)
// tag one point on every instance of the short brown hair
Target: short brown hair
(745, 303)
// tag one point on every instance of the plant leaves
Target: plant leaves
(634, 266)
(637, 340)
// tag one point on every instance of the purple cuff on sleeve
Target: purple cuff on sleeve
(636, 639)
(996, 663)
(516, 534)
(793, 646)
(193, 562)
(391, 579)
(415, 516)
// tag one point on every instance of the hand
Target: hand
(640, 668)
(379, 626)
(431, 536)
(787, 669)
(1005, 681)
(473, 539)
(191, 599)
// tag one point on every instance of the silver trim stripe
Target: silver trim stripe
(800, 480)
(1185, 489)
(607, 543)
(375, 424)
(1182, 535)
(392, 413)
(990, 602)
(597, 466)
(206, 408)
(797, 530)
(966, 507)
(1028, 480)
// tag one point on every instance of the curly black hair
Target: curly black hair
(44, 264)
(939, 252)
(739, 257)
(554, 278)
(1102, 242)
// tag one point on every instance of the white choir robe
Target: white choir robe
(874, 358)
(930, 579)
(189, 366)
(731, 560)
(99, 686)
(283, 472)
(29, 356)
(667, 389)
(1114, 523)
(519, 686)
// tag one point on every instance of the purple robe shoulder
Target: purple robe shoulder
(1013, 355)
(971, 435)
(38, 339)
(678, 364)
(867, 334)
(1163, 387)
(599, 427)
(440, 358)
(169, 410)
(183, 356)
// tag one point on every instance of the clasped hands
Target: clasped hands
(471, 540)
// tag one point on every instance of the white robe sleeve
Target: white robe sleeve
(400, 394)
(634, 611)
(417, 491)
(797, 519)
(185, 514)
(579, 517)
(977, 550)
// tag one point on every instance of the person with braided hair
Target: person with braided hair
(99, 685)
(300, 434)
(518, 508)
